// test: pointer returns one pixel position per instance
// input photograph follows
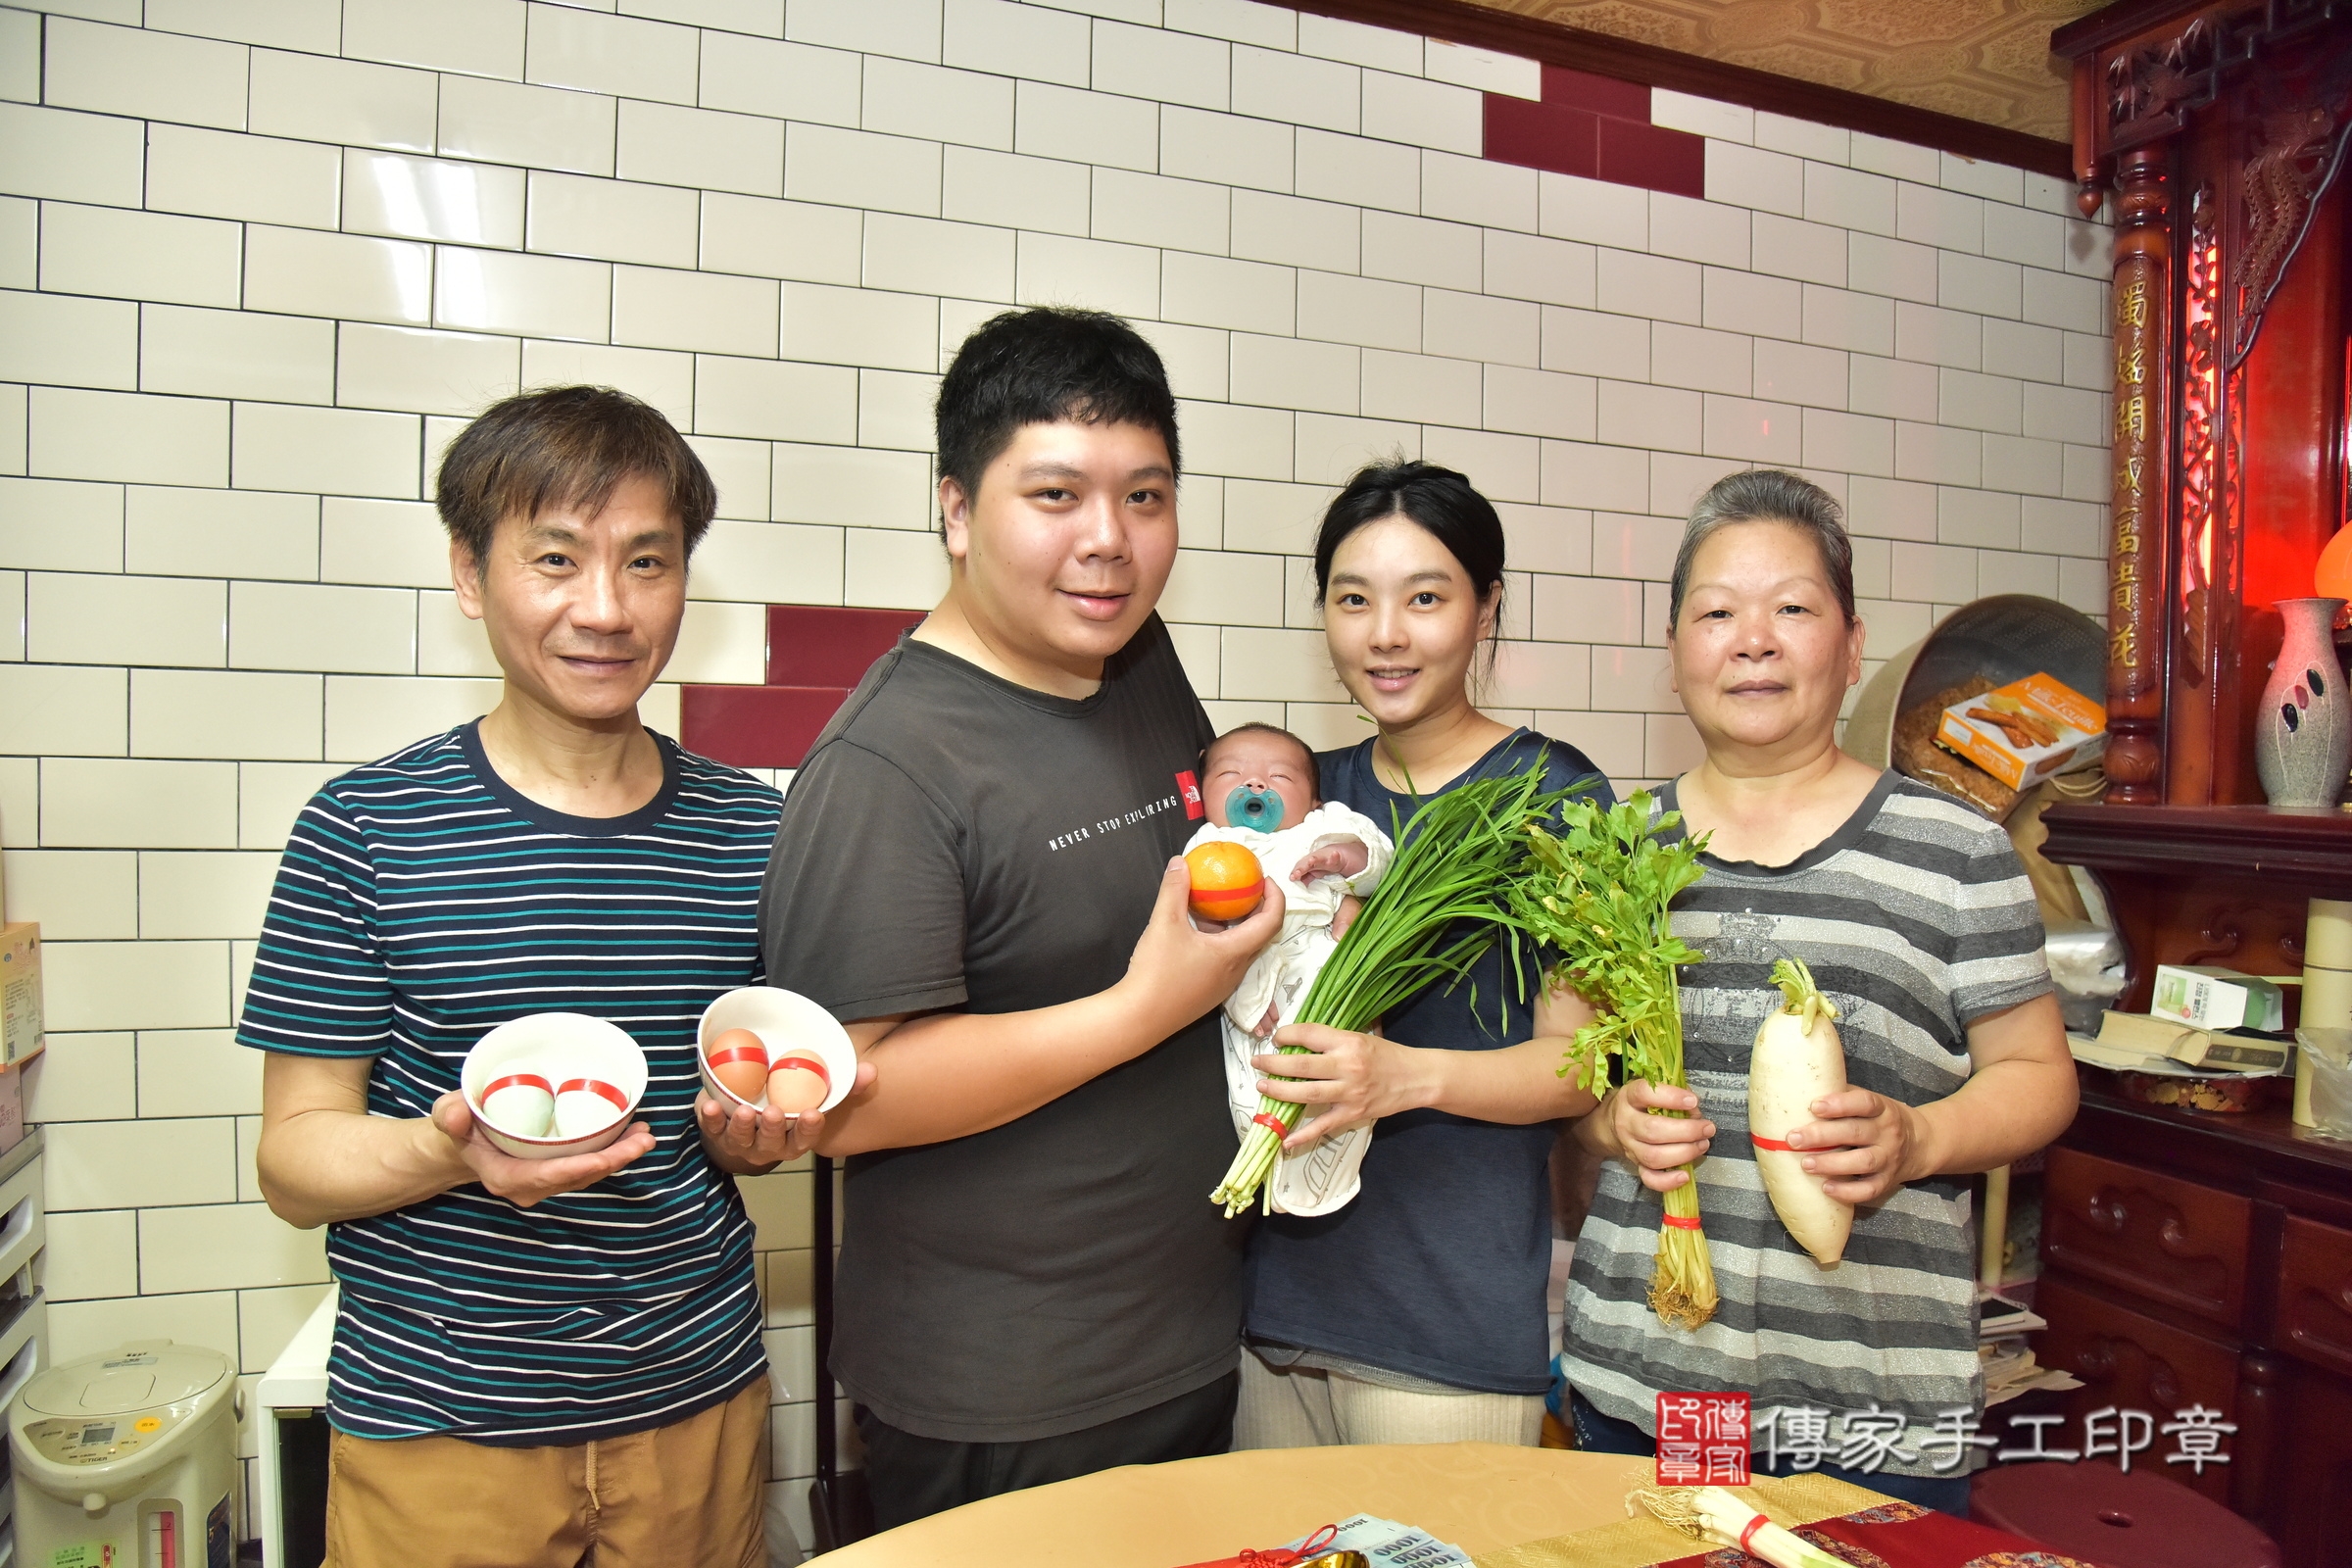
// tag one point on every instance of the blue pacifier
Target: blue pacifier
(1254, 808)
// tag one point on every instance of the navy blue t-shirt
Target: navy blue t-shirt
(422, 900)
(1436, 1269)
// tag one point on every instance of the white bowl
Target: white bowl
(557, 1046)
(785, 1021)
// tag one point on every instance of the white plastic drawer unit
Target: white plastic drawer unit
(24, 1219)
(23, 1232)
(23, 1311)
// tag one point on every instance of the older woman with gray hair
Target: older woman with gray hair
(1917, 921)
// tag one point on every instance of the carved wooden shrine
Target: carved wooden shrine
(2194, 1257)
(2222, 130)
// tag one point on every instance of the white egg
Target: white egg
(584, 1105)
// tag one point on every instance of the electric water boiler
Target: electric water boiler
(127, 1460)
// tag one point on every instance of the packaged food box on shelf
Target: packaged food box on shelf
(20, 992)
(2026, 732)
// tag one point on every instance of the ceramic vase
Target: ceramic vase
(2303, 742)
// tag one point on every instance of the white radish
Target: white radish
(1796, 1061)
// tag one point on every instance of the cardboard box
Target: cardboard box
(2026, 732)
(20, 992)
(2217, 998)
(2151, 1036)
(12, 1107)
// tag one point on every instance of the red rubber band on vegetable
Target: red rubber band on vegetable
(1680, 1223)
(1266, 1118)
(1750, 1534)
(1761, 1142)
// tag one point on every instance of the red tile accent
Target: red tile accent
(1542, 135)
(1597, 127)
(828, 645)
(1602, 95)
(755, 726)
(1652, 156)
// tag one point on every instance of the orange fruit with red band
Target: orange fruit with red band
(1227, 883)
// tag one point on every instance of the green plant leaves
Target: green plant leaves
(1598, 892)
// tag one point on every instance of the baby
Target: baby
(1261, 789)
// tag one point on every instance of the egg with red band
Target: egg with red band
(585, 1106)
(797, 1082)
(738, 1059)
(520, 1102)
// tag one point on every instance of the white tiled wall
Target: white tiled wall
(260, 258)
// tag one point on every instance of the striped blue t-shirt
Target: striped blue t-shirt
(422, 902)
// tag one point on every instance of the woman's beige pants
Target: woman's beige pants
(1301, 1407)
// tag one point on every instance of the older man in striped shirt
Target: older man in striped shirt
(536, 1362)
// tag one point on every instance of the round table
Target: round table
(1481, 1496)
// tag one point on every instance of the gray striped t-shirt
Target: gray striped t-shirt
(1917, 919)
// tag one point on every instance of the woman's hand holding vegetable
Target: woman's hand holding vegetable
(1349, 1078)
(1356, 1078)
(2019, 1096)
(1867, 1143)
(1459, 852)
(1656, 1147)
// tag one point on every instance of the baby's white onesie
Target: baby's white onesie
(1321, 1179)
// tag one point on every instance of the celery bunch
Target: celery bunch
(1600, 896)
(1439, 907)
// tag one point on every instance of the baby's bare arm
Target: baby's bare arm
(1350, 907)
(1346, 857)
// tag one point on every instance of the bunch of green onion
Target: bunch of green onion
(1600, 898)
(1437, 910)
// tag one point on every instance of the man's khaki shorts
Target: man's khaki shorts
(690, 1494)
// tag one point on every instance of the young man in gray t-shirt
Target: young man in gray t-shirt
(976, 872)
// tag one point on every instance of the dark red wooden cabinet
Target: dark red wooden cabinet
(2176, 1243)
(2199, 1258)
(2315, 1296)
(2314, 1468)
(2192, 1256)
(2131, 1361)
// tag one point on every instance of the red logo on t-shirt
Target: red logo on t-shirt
(1190, 788)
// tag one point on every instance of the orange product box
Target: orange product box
(20, 992)
(2026, 732)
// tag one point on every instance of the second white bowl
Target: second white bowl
(785, 1021)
